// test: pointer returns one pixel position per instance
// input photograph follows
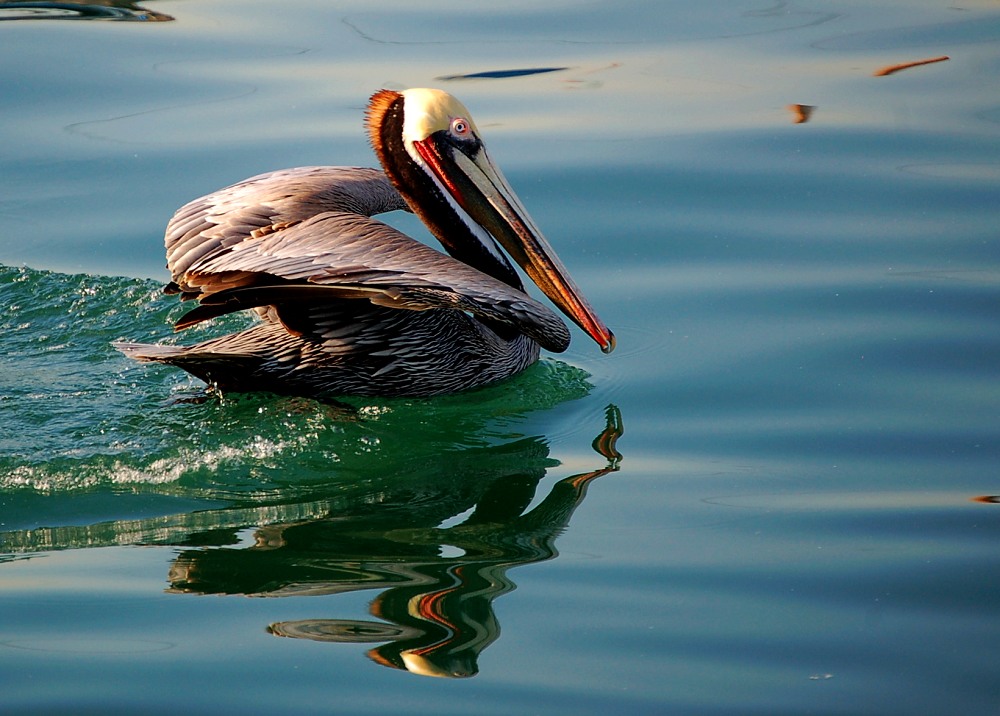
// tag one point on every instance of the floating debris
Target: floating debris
(123, 10)
(907, 65)
(801, 112)
(502, 74)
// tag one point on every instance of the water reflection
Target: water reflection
(121, 10)
(438, 577)
(431, 504)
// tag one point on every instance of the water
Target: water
(806, 377)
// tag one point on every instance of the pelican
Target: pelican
(351, 306)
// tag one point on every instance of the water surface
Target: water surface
(806, 378)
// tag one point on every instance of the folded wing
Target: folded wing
(312, 244)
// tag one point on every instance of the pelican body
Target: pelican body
(351, 306)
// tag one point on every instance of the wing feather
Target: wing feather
(273, 240)
(225, 218)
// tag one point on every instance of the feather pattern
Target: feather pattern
(350, 305)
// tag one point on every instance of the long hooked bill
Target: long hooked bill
(483, 192)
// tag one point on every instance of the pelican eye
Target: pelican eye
(460, 127)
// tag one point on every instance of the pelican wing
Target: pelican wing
(336, 256)
(215, 223)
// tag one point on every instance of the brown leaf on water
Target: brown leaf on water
(801, 112)
(890, 69)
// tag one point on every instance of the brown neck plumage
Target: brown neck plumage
(384, 120)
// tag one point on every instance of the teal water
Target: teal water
(804, 398)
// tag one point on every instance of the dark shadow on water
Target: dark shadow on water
(116, 10)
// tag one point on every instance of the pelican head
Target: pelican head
(432, 151)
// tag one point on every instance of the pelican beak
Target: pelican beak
(478, 186)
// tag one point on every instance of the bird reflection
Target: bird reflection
(440, 558)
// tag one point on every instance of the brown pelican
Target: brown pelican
(351, 306)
